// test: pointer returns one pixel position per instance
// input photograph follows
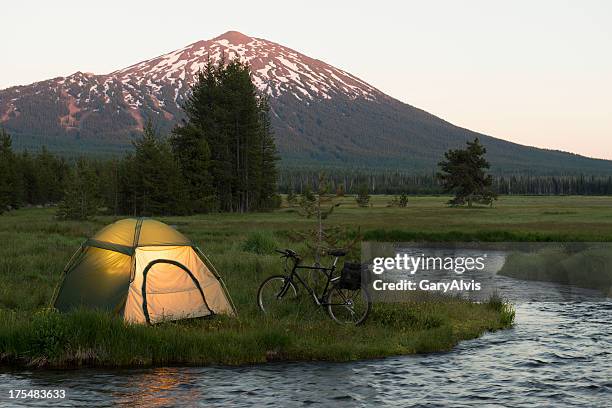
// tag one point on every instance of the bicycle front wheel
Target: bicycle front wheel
(347, 306)
(276, 296)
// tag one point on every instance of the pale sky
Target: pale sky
(533, 72)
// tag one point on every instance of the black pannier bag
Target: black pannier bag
(350, 277)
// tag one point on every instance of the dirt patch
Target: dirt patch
(6, 115)
(167, 115)
(69, 120)
(135, 113)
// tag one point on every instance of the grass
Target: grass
(260, 242)
(35, 248)
(49, 339)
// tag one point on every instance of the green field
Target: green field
(35, 248)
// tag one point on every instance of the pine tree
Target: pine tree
(269, 157)
(463, 174)
(109, 184)
(50, 173)
(193, 154)
(151, 182)
(8, 175)
(307, 202)
(227, 131)
(81, 198)
(193, 140)
(291, 198)
(363, 196)
(320, 205)
(340, 190)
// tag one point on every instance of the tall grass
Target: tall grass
(260, 242)
(85, 337)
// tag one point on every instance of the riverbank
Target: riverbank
(36, 247)
(589, 268)
(85, 338)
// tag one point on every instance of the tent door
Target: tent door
(171, 292)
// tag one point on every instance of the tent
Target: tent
(145, 271)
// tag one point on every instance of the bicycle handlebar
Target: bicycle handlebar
(290, 253)
(287, 252)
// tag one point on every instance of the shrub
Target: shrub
(260, 242)
(50, 333)
(399, 201)
(505, 309)
(363, 196)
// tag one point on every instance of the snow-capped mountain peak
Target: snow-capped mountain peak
(276, 69)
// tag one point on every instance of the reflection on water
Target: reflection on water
(558, 354)
(159, 387)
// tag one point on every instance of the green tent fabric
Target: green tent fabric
(135, 260)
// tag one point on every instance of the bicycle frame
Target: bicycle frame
(328, 272)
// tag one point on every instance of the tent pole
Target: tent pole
(219, 278)
(68, 265)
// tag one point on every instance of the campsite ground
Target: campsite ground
(35, 248)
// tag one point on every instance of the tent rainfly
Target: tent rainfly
(145, 271)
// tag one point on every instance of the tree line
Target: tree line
(397, 182)
(150, 181)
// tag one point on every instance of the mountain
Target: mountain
(322, 115)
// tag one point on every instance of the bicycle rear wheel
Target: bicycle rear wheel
(347, 306)
(275, 298)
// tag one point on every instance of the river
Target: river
(559, 353)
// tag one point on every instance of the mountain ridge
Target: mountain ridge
(322, 115)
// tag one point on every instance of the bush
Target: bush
(399, 201)
(506, 310)
(50, 333)
(363, 196)
(260, 242)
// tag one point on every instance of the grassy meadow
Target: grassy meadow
(35, 247)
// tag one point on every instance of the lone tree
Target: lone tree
(399, 201)
(319, 204)
(463, 173)
(363, 196)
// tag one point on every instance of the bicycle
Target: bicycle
(345, 304)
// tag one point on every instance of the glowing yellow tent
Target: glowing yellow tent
(145, 271)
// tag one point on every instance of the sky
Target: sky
(534, 72)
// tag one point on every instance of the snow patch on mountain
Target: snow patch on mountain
(276, 69)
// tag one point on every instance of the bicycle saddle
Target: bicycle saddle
(337, 252)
